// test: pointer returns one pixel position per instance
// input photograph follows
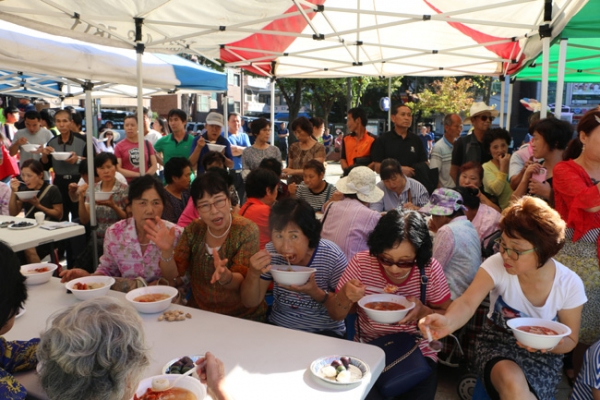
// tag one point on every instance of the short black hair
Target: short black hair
(9, 110)
(211, 183)
(48, 115)
(139, 185)
(33, 115)
(397, 106)
(177, 113)
(390, 167)
(493, 134)
(300, 213)
(174, 168)
(210, 157)
(303, 124)
(315, 165)
(470, 197)
(77, 119)
(316, 122)
(556, 132)
(65, 111)
(273, 164)
(13, 291)
(359, 113)
(258, 125)
(259, 180)
(103, 157)
(396, 226)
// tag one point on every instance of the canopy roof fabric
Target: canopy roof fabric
(316, 38)
(55, 57)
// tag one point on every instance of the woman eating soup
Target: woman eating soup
(302, 151)
(523, 280)
(296, 240)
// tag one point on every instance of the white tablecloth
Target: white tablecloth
(261, 361)
(22, 239)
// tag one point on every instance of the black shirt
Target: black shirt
(468, 148)
(408, 151)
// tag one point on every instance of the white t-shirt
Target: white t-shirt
(508, 299)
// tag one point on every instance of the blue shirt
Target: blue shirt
(239, 139)
(220, 140)
(589, 376)
(391, 201)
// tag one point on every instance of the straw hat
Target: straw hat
(362, 182)
(478, 108)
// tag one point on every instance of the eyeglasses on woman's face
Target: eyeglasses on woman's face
(512, 253)
(219, 204)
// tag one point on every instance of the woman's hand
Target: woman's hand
(157, 231)
(292, 187)
(261, 262)
(82, 190)
(354, 290)
(532, 168)
(532, 350)
(414, 314)
(14, 184)
(211, 372)
(504, 161)
(438, 325)
(107, 203)
(70, 274)
(34, 201)
(310, 288)
(220, 269)
(540, 189)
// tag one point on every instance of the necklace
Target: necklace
(223, 235)
(144, 244)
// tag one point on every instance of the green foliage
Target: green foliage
(445, 96)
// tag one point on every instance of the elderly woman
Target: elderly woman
(260, 149)
(314, 189)
(495, 171)
(215, 250)
(139, 248)
(296, 239)
(523, 280)
(398, 190)
(399, 249)
(15, 356)
(302, 151)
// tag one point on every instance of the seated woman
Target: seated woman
(5, 193)
(485, 219)
(314, 189)
(215, 250)
(140, 246)
(349, 222)
(550, 139)
(296, 239)
(399, 248)
(261, 189)
(275, 165)
(398, 190)
(178, 172)
(587, 385)
(48, 200)
(128, 152)
(15, 356)
(260, 149)
(495, 172)
(471, 175)
(523, 280)
(456, 245)
(95, 350)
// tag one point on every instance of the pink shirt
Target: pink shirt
(486, 221)
(123, 254)
(129, 153)
(189, 214)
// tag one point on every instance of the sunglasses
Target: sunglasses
(386, 262)
(484, 118)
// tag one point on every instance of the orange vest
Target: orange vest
(356, 149)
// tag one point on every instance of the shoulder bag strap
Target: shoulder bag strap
(39, 199)
(246, 209)
(424, 281)
(329, 186)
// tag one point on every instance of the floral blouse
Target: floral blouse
(123, 255)
(15, 356)
(300, 157)
(106, 216)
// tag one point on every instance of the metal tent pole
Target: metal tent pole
(139, 48)
(502, 99)
(546, 35)
(560, 79)
(89, 132)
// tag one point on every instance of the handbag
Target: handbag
(405, 365)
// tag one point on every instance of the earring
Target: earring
(583, 148)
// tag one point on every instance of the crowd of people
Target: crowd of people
(213, 213)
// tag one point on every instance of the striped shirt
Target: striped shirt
(316, 200)
(589, 376)
(298, 310)
(441, 158)
(391, 200)
(367, 270)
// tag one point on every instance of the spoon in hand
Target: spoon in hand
(434, 345)
(163, 384)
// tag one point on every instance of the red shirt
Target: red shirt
(258, 212)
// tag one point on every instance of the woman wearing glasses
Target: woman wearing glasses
(215, 250)
(523, 281)
(399, 246)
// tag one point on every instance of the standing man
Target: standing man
(400, 144)
(282, 140)
(32, 134)
(470, 147)
(176, 144)
(356, 146)
(426, 139)
(214, 124)
(150, 134)
(441, 154)
(238, 140)
(11, 115)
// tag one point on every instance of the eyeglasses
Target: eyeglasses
(511, 253)
(484, 118)
(219, 204)
(386, 262)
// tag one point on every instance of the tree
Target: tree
(445, 97)
(325, 93)
(291, 90)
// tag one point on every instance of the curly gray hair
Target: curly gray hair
(93, 350)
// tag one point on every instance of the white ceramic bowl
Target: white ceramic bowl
(155, 306)
(215, 147)
(103, 196)
(61, 155)
(386, 317)
(27, 194)
(30, 147)
(91, 293)
(297, 276)
(36, 278)
(535, 341)
(187, 382)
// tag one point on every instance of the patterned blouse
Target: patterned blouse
(106, 216)
(15, 356)
(300, 157)
(123, 256)
(175, 206)
(192, 258)
(252, 156)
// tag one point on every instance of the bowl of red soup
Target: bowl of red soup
(187, 388)
(38, 273)
(538, 333)
(151, 299)
(386, 308)
(90, 287)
